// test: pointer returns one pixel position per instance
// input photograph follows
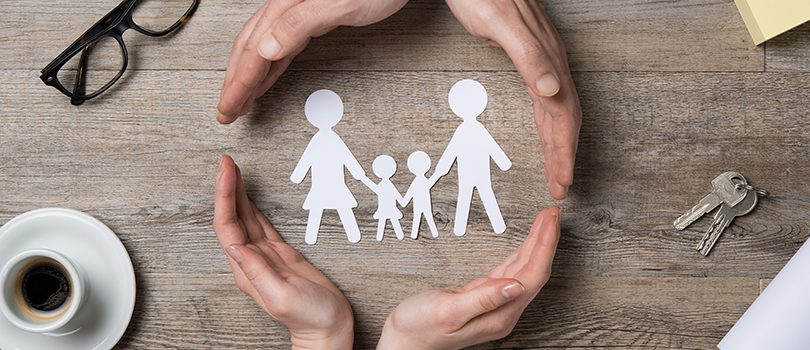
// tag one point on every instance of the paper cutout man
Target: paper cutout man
(327, 155)
(387, 196)
(472, 147)
(419, 191)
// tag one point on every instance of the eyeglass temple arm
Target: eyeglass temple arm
(79, 87)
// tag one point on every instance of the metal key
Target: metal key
(724, 191)
(723, 219)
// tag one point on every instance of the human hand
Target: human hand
(275, 34)
(523, 30)
(274, 274)
(485, 309)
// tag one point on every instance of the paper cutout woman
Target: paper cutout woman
(387, 196)
(472, 147)
(327, 155)
(419, 191)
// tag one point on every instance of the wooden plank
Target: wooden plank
(790, 51)
(142, 159)
(207, 311)
(617, 35)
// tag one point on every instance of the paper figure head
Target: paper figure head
(468, 99)
(384, 167)
(419, 163)
(324, 109)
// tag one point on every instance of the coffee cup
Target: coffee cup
(42, 291)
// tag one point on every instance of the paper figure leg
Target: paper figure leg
(492, 208)
(398, 229)
(313, 225)
(380, 229)
(417, 220)
(349, 224)
(462, 209)
(431, 224)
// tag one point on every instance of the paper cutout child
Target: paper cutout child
(419, 191)
(387, 196)
(326, 156)
(472, 147)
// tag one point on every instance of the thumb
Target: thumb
(296, 26)
(487, 297)
(530, 57)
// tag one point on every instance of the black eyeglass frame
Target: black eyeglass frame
(113, 24)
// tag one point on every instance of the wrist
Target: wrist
(341, 337)
(393, 338)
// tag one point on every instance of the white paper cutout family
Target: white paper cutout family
(326, 156)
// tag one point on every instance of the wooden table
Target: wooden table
(673, 93)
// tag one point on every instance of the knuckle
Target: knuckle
(487, 302)
(491, 11)
(350, 8)
(290, 25)
(531, 48)
(251, 274)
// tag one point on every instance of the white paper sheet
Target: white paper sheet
(780, 318)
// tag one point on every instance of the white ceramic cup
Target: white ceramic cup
(13, 304)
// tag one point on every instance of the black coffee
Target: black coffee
(45, 287)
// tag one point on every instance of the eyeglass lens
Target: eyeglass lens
(159, 15)
(101, 61)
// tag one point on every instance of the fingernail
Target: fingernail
(549, 238)
(269, 47)
(548, 85)
(235, 253)
(512, 290)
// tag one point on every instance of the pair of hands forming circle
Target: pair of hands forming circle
(319, 316)
(295, 292)
(281, 29)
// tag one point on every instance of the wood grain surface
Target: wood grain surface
(673, 93)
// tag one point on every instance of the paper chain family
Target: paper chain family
(327, 155)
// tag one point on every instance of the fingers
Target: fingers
(239, 44)
(256, 269)
(227, 225)
(484, 298)
(296, 26)
(244, 208)
(250, 69)
(528, 54)
(269, 231)
(542, 245)
(545, 130)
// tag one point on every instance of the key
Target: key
(723, 219)
(724, 191)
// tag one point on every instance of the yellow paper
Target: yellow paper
(766, 19)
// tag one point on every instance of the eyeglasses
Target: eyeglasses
(98, 58)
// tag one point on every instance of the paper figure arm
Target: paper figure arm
(302, 168)
(370, 184)
(498, 155)
(447, 159)
(404, 200)
(352, 164)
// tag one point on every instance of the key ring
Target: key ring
(759, 191)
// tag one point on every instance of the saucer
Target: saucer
(96, 250)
